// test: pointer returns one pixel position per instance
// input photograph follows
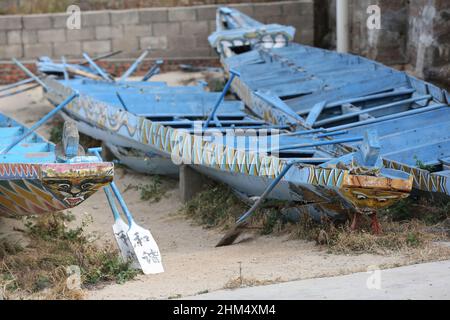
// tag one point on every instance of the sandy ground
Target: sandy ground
(192, 264)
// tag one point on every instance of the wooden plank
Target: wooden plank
(70, 139)
(315, 113)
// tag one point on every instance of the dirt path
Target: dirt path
(193, 265)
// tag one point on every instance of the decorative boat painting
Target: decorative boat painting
(37, 177)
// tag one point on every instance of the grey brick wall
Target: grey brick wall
(170, 32)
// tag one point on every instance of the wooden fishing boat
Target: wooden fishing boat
(249, 158)
(342, 95)
(237, 33)
(38, 177)
(237, 160)
(174, 106)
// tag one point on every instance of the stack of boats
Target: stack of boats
(331, 133)
(343, 95)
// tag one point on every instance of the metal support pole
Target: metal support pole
(222, 96)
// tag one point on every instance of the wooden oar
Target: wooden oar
(241, 223)
(144, 245)
(97, 68)
(120, 229)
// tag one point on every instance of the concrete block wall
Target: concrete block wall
(428, 42)
(414, 35)
(179, 32)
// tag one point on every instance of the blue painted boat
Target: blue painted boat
(184, 126)
(343, 96)
(180, 107)
(237, 32)
(248, 157)
(37, 177)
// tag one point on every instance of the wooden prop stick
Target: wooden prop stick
(104, 56)
(100, 71)
(241, 223)
(134, 66)
(29, 73)
(212, 115)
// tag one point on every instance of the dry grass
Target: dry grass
(242, 282)
(57, 131)
(217, 206)
(402, 231)
(40, 270)
(155, 190)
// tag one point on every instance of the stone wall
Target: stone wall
(170, 32)
(428, 43)
(54, 6)
(414, 35)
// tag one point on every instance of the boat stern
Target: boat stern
(72, 183)
(368, 193)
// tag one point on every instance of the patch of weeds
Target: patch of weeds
(396, 237)
(130, 186)
(40, 268)
(203, 292)
(155, 190)
(413, 240)
(215, 206)
(8, 248)
(56, 135)
(56, 131)
(428, 211)
(215, 84)
(421, 165)
(242, 282)
(109, 267)
(88, 142)
(271, 222)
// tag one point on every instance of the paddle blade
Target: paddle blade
(145, 249)
(232, 235)
(120, 229)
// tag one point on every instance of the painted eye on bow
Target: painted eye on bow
(64, 186)
(86, 185)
